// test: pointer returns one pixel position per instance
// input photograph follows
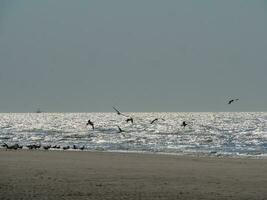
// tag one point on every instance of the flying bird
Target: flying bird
(129, 120)
(232, 100)
(118, 112)
(120, 130)
(90, 123)
(184, 124)
(156, 119)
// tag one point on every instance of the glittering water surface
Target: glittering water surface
(207, 133)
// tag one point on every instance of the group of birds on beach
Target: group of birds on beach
(75, 147)
(39, 146)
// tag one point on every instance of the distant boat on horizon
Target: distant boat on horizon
(38, 110)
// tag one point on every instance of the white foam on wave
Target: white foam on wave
(223, 133)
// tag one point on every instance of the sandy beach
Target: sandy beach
(27, 174)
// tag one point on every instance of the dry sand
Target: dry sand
(35, 175)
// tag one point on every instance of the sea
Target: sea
(234, 134)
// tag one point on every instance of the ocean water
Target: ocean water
(224, 134)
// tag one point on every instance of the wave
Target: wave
(210, 133)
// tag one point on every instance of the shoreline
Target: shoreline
(44, 174)
(183, 154)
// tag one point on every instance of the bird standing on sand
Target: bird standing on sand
(66, 148)
(46, 147)
(82, 148)
(34, 146)
(232, 100)
(55, 147)
(90, 123)
(15, 146)
(8, 147)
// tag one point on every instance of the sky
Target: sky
(140, 56)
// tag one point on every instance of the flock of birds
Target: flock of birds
(45, 147)
(130, 119)
(75, 147)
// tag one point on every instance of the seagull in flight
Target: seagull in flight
(118, 112)
(156, 119)
(184, 124)
(90, 123)
(120, 130)
(129, 120)
(232, 101)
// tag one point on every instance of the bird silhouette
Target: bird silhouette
(156, 119)
(65, 148)
(90, 123)
(47, 147)
(118, 112)
(129, 120)
(184, 124)
(120, 130)
(82, 148)
(232, 100)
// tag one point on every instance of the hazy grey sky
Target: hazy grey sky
(141, 55)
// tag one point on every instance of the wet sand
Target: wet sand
(27, 174)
